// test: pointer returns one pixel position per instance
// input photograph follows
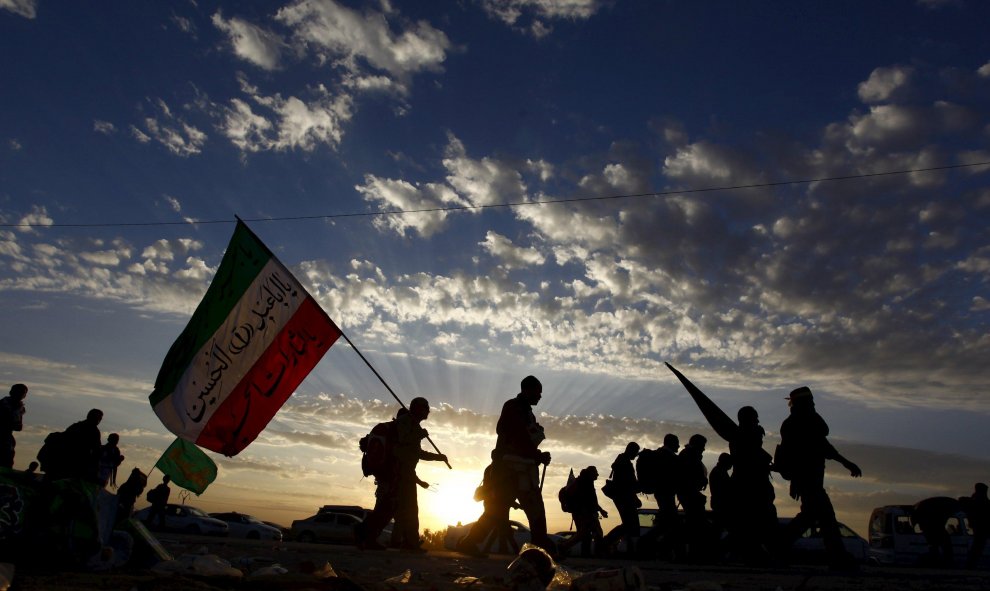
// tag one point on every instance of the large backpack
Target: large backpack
(376, 459)
(52, 455)
(648, 470)
(566, 498)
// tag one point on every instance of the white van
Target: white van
(895, 540)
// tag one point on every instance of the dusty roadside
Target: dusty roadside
(440, 570)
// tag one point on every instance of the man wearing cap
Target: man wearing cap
(804, 434)
(11, 419)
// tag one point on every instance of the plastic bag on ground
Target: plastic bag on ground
(400, 580)
(532, 570)
(268, 571)
(207, 565)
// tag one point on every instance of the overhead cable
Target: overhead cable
(507, 204)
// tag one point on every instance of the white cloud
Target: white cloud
(173, 203)
(104, 127)
(25, 8)
(401, 195)
(38, 216)
(178, 136)
(140, 135)
(250, 42)
(482, 182)
(510, 255)
(294, 123)
(885, 83)
(106, 258)
(513, 12)
(347, 37)
(980, 304)
(984, 70)
(15, 145)
(704, 161)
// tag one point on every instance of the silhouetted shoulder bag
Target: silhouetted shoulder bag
(608, 489)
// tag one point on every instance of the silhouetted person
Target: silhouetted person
(82, 444)
(931, 516)
(110, 459)
(32, 468)
(158, 497)
(626, 501)
(404, 505)
(666, 481)
(693, 479)
(667, 467)
(753, 525)
(977, 508)
(516, 462)
(804, 436)
(720, 488)
(129, 492)
(494, 493)
(588, 530)
(11, 419)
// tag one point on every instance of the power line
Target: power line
(509, 204)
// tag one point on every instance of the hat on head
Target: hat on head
(801, 393)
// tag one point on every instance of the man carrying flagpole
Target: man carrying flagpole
(396, 493)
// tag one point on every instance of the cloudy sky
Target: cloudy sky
(598, 187)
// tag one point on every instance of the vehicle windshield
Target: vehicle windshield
(196, 512)
(251, 519)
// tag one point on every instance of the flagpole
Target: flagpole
(389, 388)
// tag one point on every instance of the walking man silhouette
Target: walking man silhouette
(516, 464)
(804, 442)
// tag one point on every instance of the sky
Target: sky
(597, 187)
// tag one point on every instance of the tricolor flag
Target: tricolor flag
(187, 466)
(251, 341)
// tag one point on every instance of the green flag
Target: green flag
(187, 466)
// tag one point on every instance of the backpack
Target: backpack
(566, 497)
(52, 455)
(648, 470)
(376, 448)
(155, 495)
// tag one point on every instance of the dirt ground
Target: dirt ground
(443, 571)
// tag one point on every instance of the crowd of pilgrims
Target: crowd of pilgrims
(740, 487)
(740, 521)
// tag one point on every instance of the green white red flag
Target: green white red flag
(187, 466)
(249, 344)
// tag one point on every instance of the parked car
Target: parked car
(810, 547)
(335, 528)
(520, 533)
(245, 526)
(895, 540)
(185, 519)
(359, 512)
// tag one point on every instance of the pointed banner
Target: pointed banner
(720, 422)
(249, 344)
(187, 466)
